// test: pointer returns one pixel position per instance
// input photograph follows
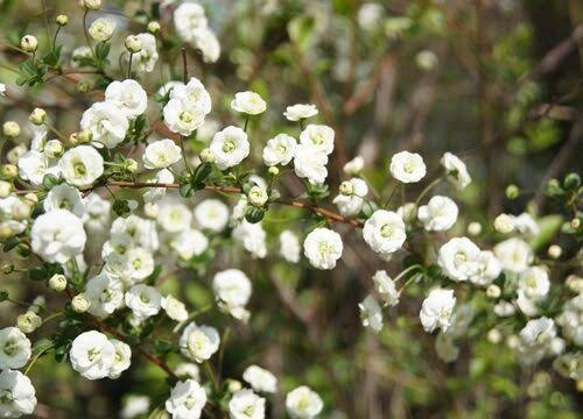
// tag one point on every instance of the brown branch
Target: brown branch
(330, 215)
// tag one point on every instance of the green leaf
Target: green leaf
(50, 181)
(186, 190)
(300, 31)
(549, 226)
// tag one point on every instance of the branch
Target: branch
(330, 215)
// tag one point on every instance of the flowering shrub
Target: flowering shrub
(158, 236)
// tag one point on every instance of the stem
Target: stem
(56, 34)
(36, 357)
(87, 37)
(427, 189)
(52, 316)
(130, 65)
(302, 124)
(410, 281)
(246, 123)
(184, 66)
(406, 271)
(186, 165)
(46, 18)
(209, 370)
(56, 132)
(222, 350)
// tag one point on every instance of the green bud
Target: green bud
(23, 250)
(7, 267)
(512, 192)
(572, 181)
(254, 214)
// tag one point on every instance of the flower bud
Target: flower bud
(504, 223)
(11, 129)
(574, 283)
(58, 283)
(31, 199)
(62, 20)
(346, 188)
(513, 341)
(21, 211)
(83, 86)
(580, 386)
(234, 385)
(54, 149)
(207, 156)
(426, 60)
(133, 44)
(494, 336)
(5, 189)
(257, 196)
(151, 209)
(512, 192)
(474, 228)
(130, 165)
(84, 136)
(23, 250)
(80, 303)
(38, 116)
(154, 27)
(273, 171)
(493, 291)
(7, 267)
(554, 251)
(15, 153)
(90, 4)
(8, 171)
(29, 43)
(5, 232)
(575, 223)
(28, 322)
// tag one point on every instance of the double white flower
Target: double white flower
(107, 124)
(81, 166)
(233, 291)
(230, 147)
(249, 103)
(187, 108)
(199, 342)
(144, 301)
(437, 309)
(323, 247)
(15, 348)
(459, 259)
(260, 379)
(408, 167)
(18, 396)
(128, 96)
(187, 399)
(280, 150)
(384, 232)
(161, 154)
(440, 214)
(303, 403)
(57, 236)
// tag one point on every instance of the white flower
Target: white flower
(489, 268)
(534, 282)
(156, 193)
(188, 18)
(248, 102)
(80, 53)
(369, 15)
(504, 309)
(537, 340)
(504, 223)
(371, 314)
(459, 258)
(102, 29)
(142, 232)
(260, 379)
(189, 243)
(122, 359)
(408, 167)
(175, 309)
(436, 310)
(440, 214)
(384, 232)
(289, 246)
(140, 262)
(514, 254)
(354, 166)
(18, 396)
(257, 196)
(57, 236)
(230, 147)
(145, 60)
(212, 214)
(386, 288)
(199, 342)
(571, 320)
(456, 170)
(323, 247)
(303, 403)
(107, 124)
(144, 301)
(253, 238)
(175, 217)
(187, 398)
(350, 204)
(128, 96)
(188, 369)
(300, 111)
(34, 165)
(207, 42)
(319, 137)
(134, 406)
(65, 197)
(233, 290)
(193, 94)
(182, 117)
(81, 166)
(92, 355)
(2, 89)
(246, 405)
(97, 212)
(279, 150)
(161, 154)
(105, 295)
(15, 348)
(310, 164)
(527, 225)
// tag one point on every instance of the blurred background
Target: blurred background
(497, 82)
